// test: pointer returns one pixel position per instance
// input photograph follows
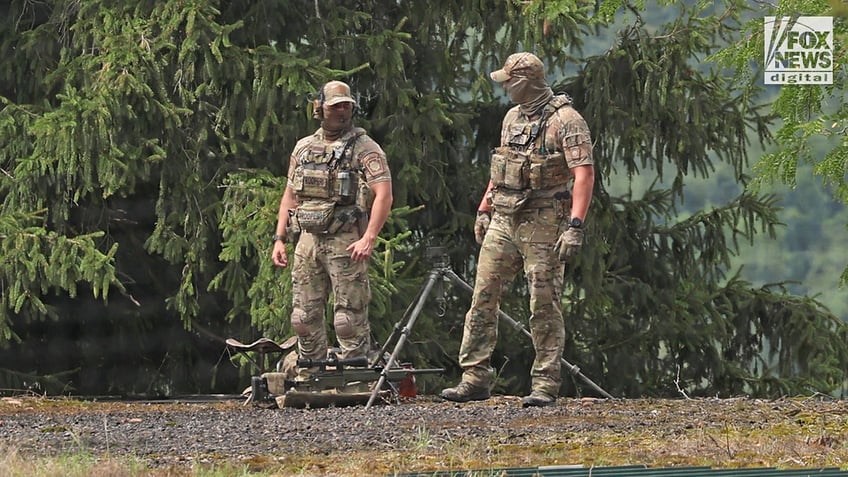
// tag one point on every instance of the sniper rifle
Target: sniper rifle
(336, 373)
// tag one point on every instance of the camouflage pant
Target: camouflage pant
(321, 266)
(526, 240)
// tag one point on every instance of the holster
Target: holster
(345, 219)
(362, 222)
(292, 228)
(562, 204)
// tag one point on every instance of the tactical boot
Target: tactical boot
(538, 399)
(464, 392)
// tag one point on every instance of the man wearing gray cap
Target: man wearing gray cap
(336, 201)
(531, 218)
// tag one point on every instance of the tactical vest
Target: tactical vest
(523, 173)
(326, 172)
(326, 177)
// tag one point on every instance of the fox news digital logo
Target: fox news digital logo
(798, 50)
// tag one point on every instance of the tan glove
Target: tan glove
(481, 225)
(569, 242)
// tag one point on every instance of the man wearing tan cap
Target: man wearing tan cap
(338, 196)
(531, 219)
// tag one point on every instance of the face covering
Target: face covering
(336, 121)
(531, 95)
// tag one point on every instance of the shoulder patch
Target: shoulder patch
(373, 165)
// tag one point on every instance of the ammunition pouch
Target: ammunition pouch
(510, 169)
(547, 171)
(526, 180)
(507, 201)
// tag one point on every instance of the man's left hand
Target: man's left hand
(361, 250)
(569, 242)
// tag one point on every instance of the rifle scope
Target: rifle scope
(360, 361)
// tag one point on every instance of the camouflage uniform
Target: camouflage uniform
(330, 182)
(530, 198)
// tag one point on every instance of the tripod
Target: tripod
(440, 272)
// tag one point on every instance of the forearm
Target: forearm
(287, 203)
(484, 202)
(581, 193)
(380, 210)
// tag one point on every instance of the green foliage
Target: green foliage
(652, 285)
(143, 149)
(36, 260)
(812, 117)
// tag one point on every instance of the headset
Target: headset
(317, 99)
(318, 103)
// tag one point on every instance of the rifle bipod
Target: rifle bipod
(440, 272)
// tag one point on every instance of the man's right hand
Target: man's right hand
(278, 255)
(481, 225)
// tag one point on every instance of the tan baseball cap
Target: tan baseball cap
(336, 92)
(527, 65)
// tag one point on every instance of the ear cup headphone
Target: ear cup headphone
(318, 104)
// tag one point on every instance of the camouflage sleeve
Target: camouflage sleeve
(299, 148)
(574, 137)
(292, 165)
(373, 161)
(508, 119)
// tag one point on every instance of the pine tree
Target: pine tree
(145, 145)
(813, 118)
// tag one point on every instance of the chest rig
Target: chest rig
(523, 172)
(326, 185)
(326, 171)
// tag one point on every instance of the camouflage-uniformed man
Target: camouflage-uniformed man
(338, 196)
(531, 216)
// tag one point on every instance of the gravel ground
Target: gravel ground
(735, 432)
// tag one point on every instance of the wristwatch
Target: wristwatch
(575, 222)
(276, 237)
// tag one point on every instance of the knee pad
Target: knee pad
(299, 322)
(344, 325)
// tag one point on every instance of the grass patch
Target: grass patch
(13, 464)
